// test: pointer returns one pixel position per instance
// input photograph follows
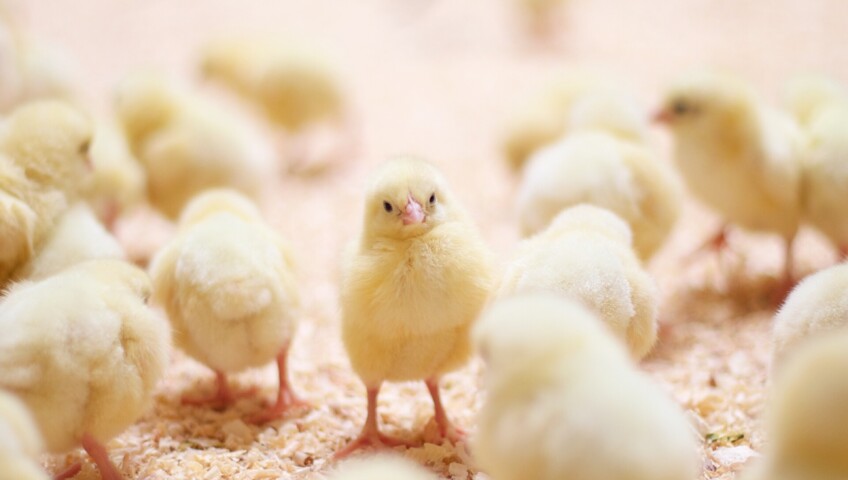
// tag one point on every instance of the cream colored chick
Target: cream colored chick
(119, 182)
(77, 236)
(187, 145)
(565, 401)
(83, 352)
(380, 467)
(586, 255)
(807, 96)
(227, 284)
(818, 306)
(807, 421)
(738, 156)
(412, 286)
(20, 441)
(599, 169)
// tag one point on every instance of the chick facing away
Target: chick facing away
(565, 401)
(585, 255)
(20, 441)
(380, 467)
(412, 286)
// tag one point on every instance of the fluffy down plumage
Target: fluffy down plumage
(20, 441)
(380, 467)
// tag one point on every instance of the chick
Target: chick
(817, 306)
(20, 441)
(585, 254)
(83, 352)
(807, 421)
(411, 287)
(738, 156)
(119, 182)
(564, 401)
(381, 467)
(597, 168)
(807, 96)
(187, 145)
(227, 284)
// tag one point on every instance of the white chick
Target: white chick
(227, 284)
(738, 156)
(20, 441)
(585, 255)
(599, 169)
(83, 352)
(380, 467)
(188, 145)
(565, 401)
(411, 287)
(119, 182)
(818, 306)
(807, 96)
(807, 422)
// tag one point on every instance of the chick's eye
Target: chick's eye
(84, 146)
(387, 207)
(432, 199)
(680, 107)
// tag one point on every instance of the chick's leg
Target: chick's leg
(446, 429)
(286, 398)
(718, 242)
(222, 396)
(787, 280)
(69, 472)
(97, 452)
(370, 435)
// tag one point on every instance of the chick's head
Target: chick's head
(705, 103)
(406, 197)
(144, 103)
(807, 95)
(215, 201)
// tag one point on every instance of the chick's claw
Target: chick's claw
(371, 438)
(223, 395)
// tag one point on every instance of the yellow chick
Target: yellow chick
(380, 467)
(738, 156)
(818, 306)
(565, 401)
(83, 352)
(585, 255)
(118, 181)
(807, 96)
(411, 288)
(187, 145)
(807, 421)
(227, 284)
(20, 441)
(597, 168)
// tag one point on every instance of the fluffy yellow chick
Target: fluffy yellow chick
(807, 96)
(737, 155)
(381, 467)
(118, 181)
(84, 352)
(227, 284)
(188, 145)
(597, 168)
(565, 401)
(20, 441)
(817, 306)
(807, 422)
(411, 288)
(586, 255)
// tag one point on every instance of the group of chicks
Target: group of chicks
(561, 331)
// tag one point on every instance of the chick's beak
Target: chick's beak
(662, 116)
(413, 212)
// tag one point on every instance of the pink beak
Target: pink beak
(662, 116)
(413, 212)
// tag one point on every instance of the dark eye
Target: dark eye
(680, 107)
(432, 199)
(387, 207)
(84, 147)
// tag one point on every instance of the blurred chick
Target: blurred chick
(808, 96)
(807, 421)
(20, 441)
(597, 168)
(818, 306)
(83, 352)
(381, 467)
(738, 156)
(187, 145)
(411, 287)
(227, 284)
(565, 401)
(585, 255)
(119, 182)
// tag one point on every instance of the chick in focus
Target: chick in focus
(83, 351)
(227, 284)
(188, 145)
(381, 467)
(565, 401)
(411, 288)
(119, 182)
(585, 255)
(807, 422)
(599, 169)
(817, 307)
(738, 156)
(20, 441)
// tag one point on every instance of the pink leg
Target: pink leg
(69, 472)
(370, 435)
(222, 397)
(97, 451)
(286, 398)
(843, 253)
(717, 243)
(446, 429)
